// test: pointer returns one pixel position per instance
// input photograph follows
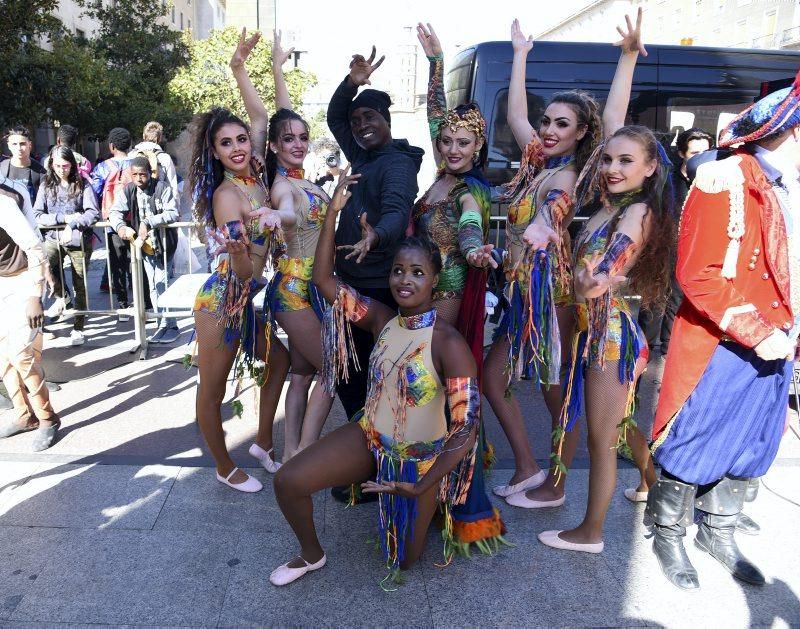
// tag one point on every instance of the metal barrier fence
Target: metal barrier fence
(137, 311)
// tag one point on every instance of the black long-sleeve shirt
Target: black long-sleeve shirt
(386, 192)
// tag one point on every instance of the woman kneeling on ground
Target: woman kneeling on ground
(402, 440)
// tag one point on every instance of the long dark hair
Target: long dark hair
(587, 112)
(650, 275)
(206, 172)
(277, 123)
(51, 179)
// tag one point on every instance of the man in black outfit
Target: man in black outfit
(21, 167)
(374, 220)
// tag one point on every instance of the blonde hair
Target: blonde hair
(153, 132)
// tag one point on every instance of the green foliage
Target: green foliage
(318, 125)
(208, 82)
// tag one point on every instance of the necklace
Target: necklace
(247, 180)
(557, 162)
(291, 173)
(623, 199)
(417, 321)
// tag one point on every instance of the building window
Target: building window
(770, 21)
(190, 25)
(173, 14)
(181, 20)
(80, 34)
(743, 3)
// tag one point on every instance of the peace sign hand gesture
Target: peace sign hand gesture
(631, 42)
(279, 55)
(244, 48)
(429, 40)
(361, 69)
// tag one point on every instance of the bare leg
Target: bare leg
(270, 393)
(296, 402)
(508, 411)
(339, 458)
(553, 398)
(214, 361)
(426, 507)
(642, 459)
(606, 399)
(303, 329)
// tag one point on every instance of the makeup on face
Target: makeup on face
(412, 280)
(559, 130)
(624, 165)
(291, 147)
(457, 149)
(232, 147)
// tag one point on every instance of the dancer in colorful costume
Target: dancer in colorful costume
(291, 298)
(627, 238)
(723, 402)
(231, 199)
(533, 337)
(402, 440)
(454, 215)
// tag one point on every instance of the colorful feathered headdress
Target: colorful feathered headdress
(772, 114)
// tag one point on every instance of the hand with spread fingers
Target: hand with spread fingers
(538, 236)
(406, 490)
(481, 257)
(631, 42)
(244, 48)
(342, 192)
(361, 69)
(267, 218)
(279, 55)
(591, 285)
(429, 40)
(369, 240)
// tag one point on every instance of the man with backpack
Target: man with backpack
(161, 165)
(142, 207)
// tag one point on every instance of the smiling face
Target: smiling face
(370, 130)
(625, 165)
(411, 280)
(560, 131)
(62, 168)
(458, 149)
(291, 147)
(232, 148)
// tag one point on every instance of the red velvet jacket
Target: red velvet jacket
(745, 308)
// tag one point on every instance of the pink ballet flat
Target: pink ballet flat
(521, 500)
(551, 538)
(532, 482)
(284, 575)
(250, 486)
(265, 458)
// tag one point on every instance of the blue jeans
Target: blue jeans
(156, 276)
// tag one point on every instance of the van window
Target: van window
(710, 112)
(457, 81)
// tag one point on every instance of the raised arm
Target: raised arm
(517, 116)
(437, 104)
(370, 315)
(256, 111)
(338, 117)
(279, 57)
(619, 95)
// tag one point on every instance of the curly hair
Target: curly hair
(587, 112)
(650, 275)
(424, 245)
(461, 111)
(277, 123)
(51, 179)
(205, 171)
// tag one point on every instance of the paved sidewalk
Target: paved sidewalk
(123, 523)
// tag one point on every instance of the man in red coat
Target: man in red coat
(724, 396)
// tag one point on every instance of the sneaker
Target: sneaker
(56, 308)
(156, 338)
(122, 313)
(76, 337)
(170, 335)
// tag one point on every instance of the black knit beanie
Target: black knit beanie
(372, 99)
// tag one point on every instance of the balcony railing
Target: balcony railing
(790, 36)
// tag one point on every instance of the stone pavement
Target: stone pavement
(123, 523)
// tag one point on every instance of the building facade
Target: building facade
(768, 24)
(255, 15)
